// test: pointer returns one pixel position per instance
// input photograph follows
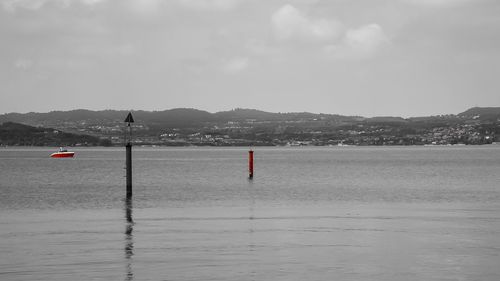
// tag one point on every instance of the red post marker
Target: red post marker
(250, 164)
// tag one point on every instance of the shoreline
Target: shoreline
(253, 146)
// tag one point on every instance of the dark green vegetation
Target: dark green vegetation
(18, 134)
(184, 126)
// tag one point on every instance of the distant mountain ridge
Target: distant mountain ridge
(19, 134)
(188, 126)
(177, 117)
(186, 117)
(483, 113)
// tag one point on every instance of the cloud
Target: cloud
(91, 2)
(236, 65)
(329, 35)
(23, 64)
(14, 5)
(289, 23)
(145, 7)
(358, 43)
(153, 7)
(221, 5)
(93, 50)
(437, 3)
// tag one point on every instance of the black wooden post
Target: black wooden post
(128, 152)
(128, 148)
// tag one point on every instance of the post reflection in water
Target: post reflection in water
(251, 229)
(129, 239)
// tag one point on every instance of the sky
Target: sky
(350, 57)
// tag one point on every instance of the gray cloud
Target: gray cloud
(350, 57)
(223, 5)
(23, 63)
(290, 23)
(438, 3)
(14, 5)
(359, 43)
(235, 65)
(334, 39)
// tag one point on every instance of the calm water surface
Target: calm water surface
(340, 213)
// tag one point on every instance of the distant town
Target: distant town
(246, 127)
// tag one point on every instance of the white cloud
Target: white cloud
(126, 50)
(145, 7)
(437, 3)
(91, 2)
(358, 43)
(65, 64)
(260, 47)
(23, 64)
(14, 5)
(289, 23)
(329, 35)
(151, 7)
(222, 5)
(366, 38)
(236, 65)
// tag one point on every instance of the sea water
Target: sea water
(325, 213)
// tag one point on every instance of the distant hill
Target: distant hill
(189, 117)
(155, 122)
(18, 134)
(61, 116)
(176, 117)
(172, 118)
(482, 113)
(386, 119)
(188, 126)
(241, 114)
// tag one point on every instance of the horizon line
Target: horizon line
(241, 108)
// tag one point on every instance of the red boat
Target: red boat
(63, 153)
